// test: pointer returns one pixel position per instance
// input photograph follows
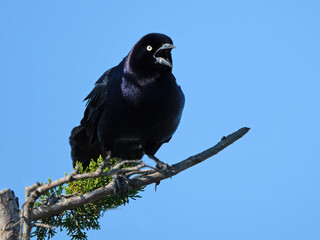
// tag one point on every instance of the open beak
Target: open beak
(164, 60)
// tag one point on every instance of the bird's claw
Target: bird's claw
(165, 168)
(120, 187)
(161, 166)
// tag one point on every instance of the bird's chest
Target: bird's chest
(155, 101)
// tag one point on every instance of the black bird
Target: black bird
(134, 107)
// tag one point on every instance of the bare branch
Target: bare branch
(145, 178)
(26, 211)
(44, 226)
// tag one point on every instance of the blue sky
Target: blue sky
(239, 63)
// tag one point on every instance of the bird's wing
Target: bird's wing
(97, 102)
(94, 109)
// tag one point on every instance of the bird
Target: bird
(134, 107)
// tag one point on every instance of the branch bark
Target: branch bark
(138, 181)
(11, 223)
(9, 215)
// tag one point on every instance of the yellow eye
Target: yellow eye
(149, 48)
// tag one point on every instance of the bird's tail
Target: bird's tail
(81, 149)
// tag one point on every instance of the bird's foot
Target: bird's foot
(161, 166)
(165, 169)
(121, 186)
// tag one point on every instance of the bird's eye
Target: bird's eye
(149, 48)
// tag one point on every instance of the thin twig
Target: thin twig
(43, 226)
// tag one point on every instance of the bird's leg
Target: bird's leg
(108, 155)
(122, 184)
(160, 165)
(119, 180)
(119, 187)
(106, 161)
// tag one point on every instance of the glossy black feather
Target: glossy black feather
(133, 109)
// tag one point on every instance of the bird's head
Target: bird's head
(151, 54)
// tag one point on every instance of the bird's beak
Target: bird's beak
(162, 60)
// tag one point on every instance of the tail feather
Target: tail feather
(81, 149)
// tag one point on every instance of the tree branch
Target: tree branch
(43, 226)
(9, 215)
(143, 178)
